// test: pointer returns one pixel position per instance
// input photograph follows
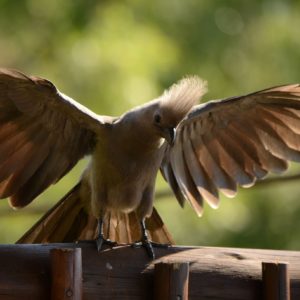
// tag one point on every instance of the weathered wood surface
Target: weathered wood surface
(276, 281)
(66, 274)
(127, 273)
(171, 281)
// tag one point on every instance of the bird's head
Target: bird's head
(175, 103)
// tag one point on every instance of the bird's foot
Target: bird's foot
(148, 245)
(101, 241)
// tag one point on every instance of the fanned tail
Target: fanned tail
(69, 221)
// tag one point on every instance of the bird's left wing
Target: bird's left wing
(43, 134)
(222, 144)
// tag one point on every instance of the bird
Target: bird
(201, 149)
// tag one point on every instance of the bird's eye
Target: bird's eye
(157, 119)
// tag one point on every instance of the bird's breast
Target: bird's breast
(120, 177)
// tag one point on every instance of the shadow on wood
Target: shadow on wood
(127, 273)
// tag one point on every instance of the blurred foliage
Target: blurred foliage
(112, 55)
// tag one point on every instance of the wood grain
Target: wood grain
(66, 274)
(171, 281)
(127, 273)
(276, 281)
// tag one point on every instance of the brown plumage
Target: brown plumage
(69, 221)
(218, 145)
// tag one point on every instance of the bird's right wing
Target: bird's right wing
(222, 144)
(43, 134)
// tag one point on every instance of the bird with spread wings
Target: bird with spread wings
(200, 149)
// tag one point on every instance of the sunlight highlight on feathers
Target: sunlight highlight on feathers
(183, 95)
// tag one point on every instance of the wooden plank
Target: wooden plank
(66, 274)
(127, 273)
(171, 281)
(276, 281)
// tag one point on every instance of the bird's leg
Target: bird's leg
(100, 240)
(145, 242)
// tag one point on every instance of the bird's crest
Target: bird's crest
(183, 95)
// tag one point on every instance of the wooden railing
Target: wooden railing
(59, 271)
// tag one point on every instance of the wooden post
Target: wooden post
(171, 281)
(126, 273)
(276, 282)
(66, 272)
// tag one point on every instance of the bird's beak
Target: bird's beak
(169, 134)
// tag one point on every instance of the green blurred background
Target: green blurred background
(112, 55)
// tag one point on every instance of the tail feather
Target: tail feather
(69, 221)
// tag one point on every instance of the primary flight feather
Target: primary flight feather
(200, 149)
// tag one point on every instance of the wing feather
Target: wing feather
(43, 133)
(274, 142)
(211, 167)
(205, 187)
(236, 141)
(185, 181)
(248, 169)
(168, 175)
(229, 164)
(270, 161)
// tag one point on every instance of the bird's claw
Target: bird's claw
(148, 245)
(101, 241)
